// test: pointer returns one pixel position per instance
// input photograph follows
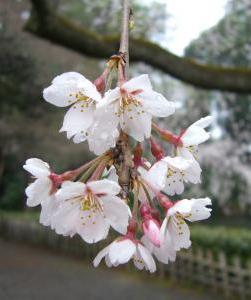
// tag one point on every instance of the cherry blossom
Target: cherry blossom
(124, 249)
(42, 190)
(165, 252)
(174, 225)
(194, 135)
(134, 103)
(170, 173)
(73, 89)
(90, 209)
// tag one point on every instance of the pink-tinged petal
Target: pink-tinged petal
(141, 82)
(137, 123)
(116, 212)
(78, 119)
(152, 230)
(38, 191)
(120, 252)
(156, 104)
(100, 256)
(37, 167)
(104, 187)
(147, 258)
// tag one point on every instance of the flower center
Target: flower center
(80, 97)
(90, 202)
(128, 102)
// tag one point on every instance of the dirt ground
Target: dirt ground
(28, 273)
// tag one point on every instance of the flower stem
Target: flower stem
(124, 40)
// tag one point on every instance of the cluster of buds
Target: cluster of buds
(90, 199)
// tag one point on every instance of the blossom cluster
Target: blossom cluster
(87, 201)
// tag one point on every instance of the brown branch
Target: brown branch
(44, 22)
(122, 152)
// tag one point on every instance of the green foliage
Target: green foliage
(104, 16)
(17, 74)
(12, 186)
(231, 241)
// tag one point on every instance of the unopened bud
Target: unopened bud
(137, 155)
(156, 149)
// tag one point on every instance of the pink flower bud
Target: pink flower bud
(156, 149)
(151, 229)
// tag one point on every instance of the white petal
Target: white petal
(147, 258)
(70, 190)
(156, 104)
(65, 218)
(64, 89)
(109, 97)
(174, 184)
(116, 212)
(156, 176)
(99, 256)
(78, 119)
(137, 123)
(104, 186)
(178, 162)
(141, 82)
(38, 191)
(183, 207)
(180, 234)
(48, 208)
(103, 133)
(192, 174)
(120, 252)
(194, 135)
(37, 167)
(199, 209)
(68, 77)
(203, 122)
(91, 226)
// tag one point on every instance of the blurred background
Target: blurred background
(215, 32)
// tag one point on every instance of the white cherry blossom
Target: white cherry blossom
(134, 104)
(194, 135)
(103, 133)
(90, 209)
(165, 252)
(124, 249)
(42, 190)
(73, 89)
(174, 224)
(170, 173)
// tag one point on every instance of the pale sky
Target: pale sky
(190, 18)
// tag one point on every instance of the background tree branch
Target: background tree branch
(46, 23)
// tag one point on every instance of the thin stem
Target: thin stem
(124, 40)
